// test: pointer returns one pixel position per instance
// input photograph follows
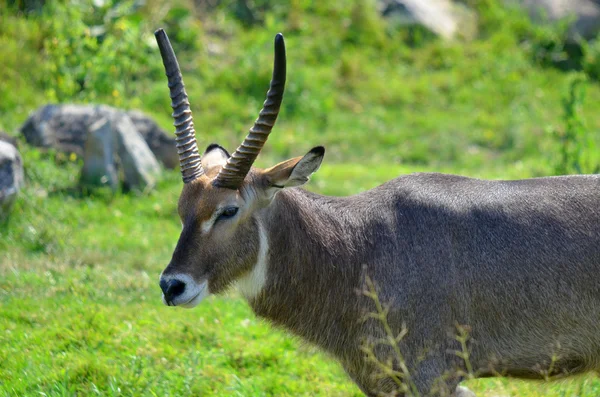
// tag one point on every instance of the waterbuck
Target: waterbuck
(460, 275)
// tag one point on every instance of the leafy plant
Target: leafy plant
(577, 148)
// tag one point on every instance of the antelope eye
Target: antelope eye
(228, 212)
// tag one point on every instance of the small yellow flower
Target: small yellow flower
(115, 93)
(120, 26)
(73, 157)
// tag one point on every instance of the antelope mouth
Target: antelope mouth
(194, 300)
(193, 293)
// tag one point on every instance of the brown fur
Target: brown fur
(212, 257)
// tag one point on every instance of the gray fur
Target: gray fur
(513, 264)
(518, 262)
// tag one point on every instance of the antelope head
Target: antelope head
(224, 198)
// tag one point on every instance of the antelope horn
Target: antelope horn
(235, 170)
(187, 148)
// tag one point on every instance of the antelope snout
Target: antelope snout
(182, 290)
(171, 289)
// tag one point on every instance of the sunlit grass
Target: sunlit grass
(80, 309)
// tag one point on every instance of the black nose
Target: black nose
(172, 288)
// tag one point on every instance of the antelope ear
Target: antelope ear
(214, 156)
(296, 171)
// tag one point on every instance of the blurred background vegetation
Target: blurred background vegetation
(80, 309)
(489, 104)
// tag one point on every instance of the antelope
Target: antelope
(515, 263)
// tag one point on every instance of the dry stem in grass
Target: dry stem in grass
(395, 367)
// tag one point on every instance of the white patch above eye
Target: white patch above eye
(253, 282)
(209, 223)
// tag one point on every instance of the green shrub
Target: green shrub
(576, 145)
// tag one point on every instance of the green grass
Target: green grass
(80, 309)
(63, 334)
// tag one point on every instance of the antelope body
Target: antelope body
(516, 263)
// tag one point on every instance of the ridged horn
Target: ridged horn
(187, 148)
(234, 171)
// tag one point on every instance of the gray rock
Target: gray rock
(139, 164)
(100, 163)
(114, 145)
(585, 14)
(66, 129)
(161, 143)
(62, 127)
(11, 177)
(444, 18)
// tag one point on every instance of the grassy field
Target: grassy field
(80, 309)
